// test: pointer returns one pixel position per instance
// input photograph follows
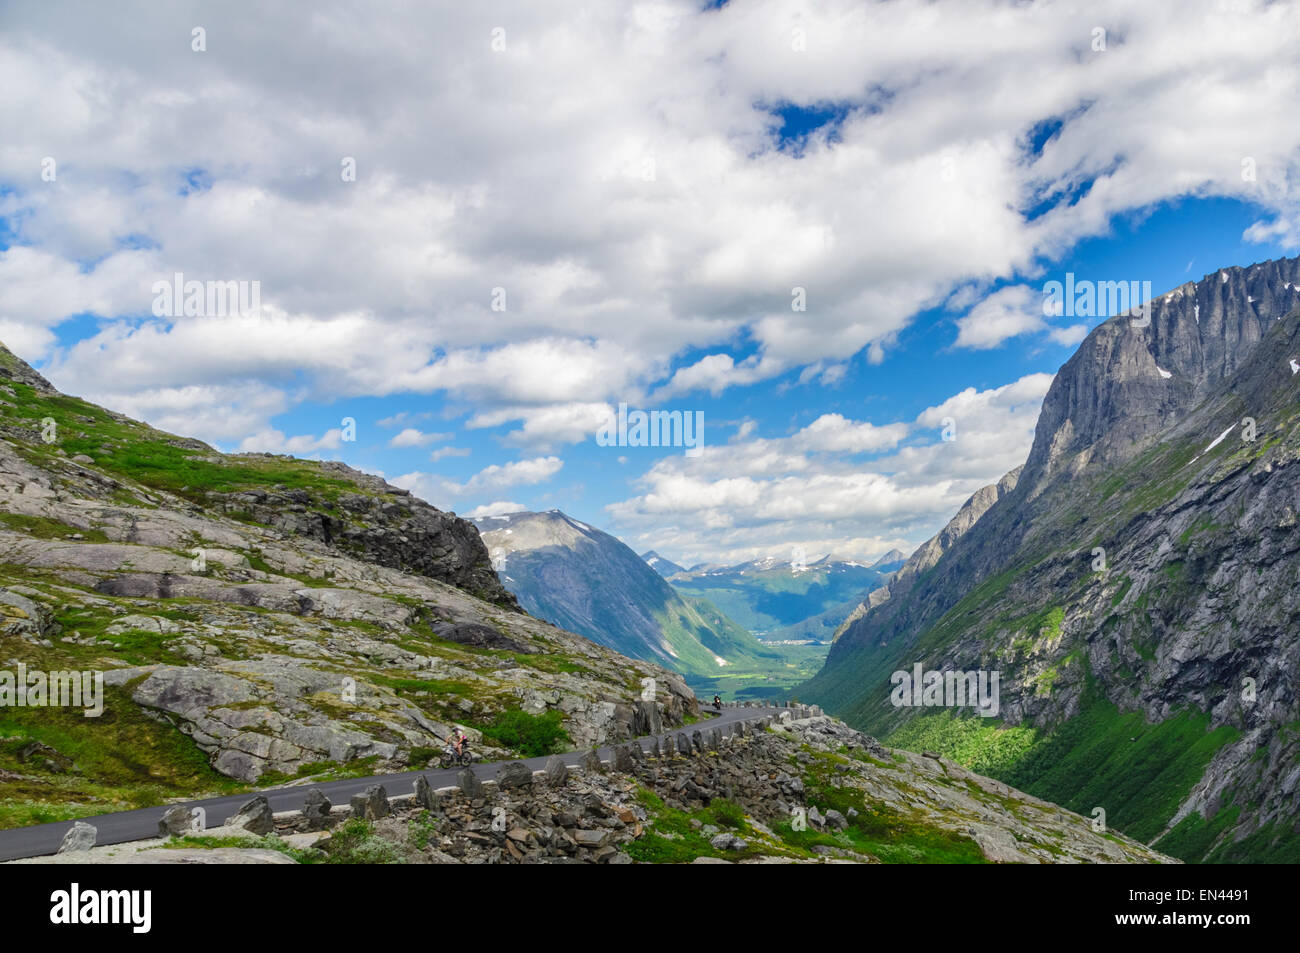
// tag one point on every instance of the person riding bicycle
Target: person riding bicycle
(458, 740)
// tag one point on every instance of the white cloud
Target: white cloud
(766, 495)
(1006, 313)
(523, 171)
(499, 508)
(413, 437)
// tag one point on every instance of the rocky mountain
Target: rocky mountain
(590, 582)
(1134, 585)
(258, 617)
(665, 567)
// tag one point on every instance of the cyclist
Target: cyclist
(458, 740)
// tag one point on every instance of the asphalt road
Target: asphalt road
(143, 823)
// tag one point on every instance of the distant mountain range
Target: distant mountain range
(587, 581)
(780, 599)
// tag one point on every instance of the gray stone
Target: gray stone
(516, 774)
(316, 811)
(254, 816)
(425, 796)
(175, 821)
(683, 744)
(727, 841)
(470, 784)
(372, 804)
(622, 760)
(592, 764)
(557, 772)
(80, 836)
(836, 820)
(592, 839)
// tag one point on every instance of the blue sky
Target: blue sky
(647, 187)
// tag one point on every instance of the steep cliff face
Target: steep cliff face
(1136, 589)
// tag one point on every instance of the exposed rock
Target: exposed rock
(516, 774)
(469, 783)
(254, 816)
(372, 804)
(80, 836)
(175, 821)
(316, 811)
(557, 772)
(425, 795)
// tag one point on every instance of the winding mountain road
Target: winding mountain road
(140, 824)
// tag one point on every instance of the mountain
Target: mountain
(665, 567)
(1136, 585)
(585, 580)
(257, 618)
(777, 599)
(891, 561)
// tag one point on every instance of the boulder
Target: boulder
(316, 811)
(254, 816)
(727, 841)
(175, 821)
(516, 774)
(684, 743)
(470, 784)
(80, 836)
(622, 760)
(425, 796)
(591, 763)
(557, 772)
(372, 804)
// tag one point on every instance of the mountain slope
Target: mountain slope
(1140, 571)
(256, 618)
(585, 580)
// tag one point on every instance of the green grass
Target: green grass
(529, 735)
(1102, 757)
(119, 761)
(40, 527)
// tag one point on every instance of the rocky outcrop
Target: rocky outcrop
(1145, 561)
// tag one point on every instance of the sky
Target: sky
(475, 230)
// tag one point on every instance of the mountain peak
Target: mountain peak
(14, 368)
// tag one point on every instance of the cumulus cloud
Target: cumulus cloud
(414, 437)
(499, 508)
(604, 210)
(766, 495)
